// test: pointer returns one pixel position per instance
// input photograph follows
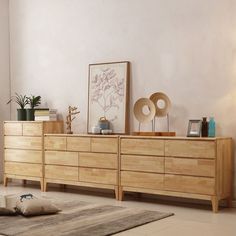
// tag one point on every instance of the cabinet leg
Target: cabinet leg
(215, 204)
(5, 181)
(24, 182)
(121, 194)
(229, 202)
(42, 185)
(117, 192)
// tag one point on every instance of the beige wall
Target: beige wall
(185, 48)
(4, 72)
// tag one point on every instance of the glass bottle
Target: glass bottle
(204, 127)
(211, 127)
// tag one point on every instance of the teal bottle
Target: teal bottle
(211, 127)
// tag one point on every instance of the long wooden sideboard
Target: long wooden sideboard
(198, 168)
(84, 160)
(24, 147)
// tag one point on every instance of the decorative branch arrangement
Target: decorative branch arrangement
(71, 112)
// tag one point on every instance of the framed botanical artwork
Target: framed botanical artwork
(108, 95)
(194, 128)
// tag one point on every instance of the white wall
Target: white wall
(185, 48)
(4, 72)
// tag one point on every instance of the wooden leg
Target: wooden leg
(24, 182)
(5, 180)
(117, 192)
(215, 203)
(229, 202)
(121, 194)
(42, 185)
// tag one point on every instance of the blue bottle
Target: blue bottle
(211, 127)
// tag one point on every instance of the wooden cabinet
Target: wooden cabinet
(198, 168)
(23, 148)
(83, 160)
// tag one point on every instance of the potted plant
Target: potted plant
(22, 101)
(33, 101)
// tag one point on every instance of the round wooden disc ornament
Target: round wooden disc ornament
(155, 97)
(138, 110)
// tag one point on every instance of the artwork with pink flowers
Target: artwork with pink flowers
(108, 95)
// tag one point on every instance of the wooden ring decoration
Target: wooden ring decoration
(155, 97)
(138, 110)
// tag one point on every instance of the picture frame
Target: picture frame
(108, 95)
(194, 128)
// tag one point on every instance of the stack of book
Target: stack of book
(44, 114)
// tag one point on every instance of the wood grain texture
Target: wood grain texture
(98, 160)
(187, 166)
(61, 172)
(23, 169)
(12, 128)
(29, 156)
(142, 146)
(33, 129)
(142, 163)
(106, 145)
(62, 158)
(53, 127)
(55, 143)
(78, 144)
(189, 184)
(102, 176)
(23, 142)
(142, 180)
(188, 148)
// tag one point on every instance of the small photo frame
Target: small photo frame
(194, 128)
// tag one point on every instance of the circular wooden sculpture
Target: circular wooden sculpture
(138, 110)
(155, 97)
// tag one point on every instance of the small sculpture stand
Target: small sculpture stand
(72, 112)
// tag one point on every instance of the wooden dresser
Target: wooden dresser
(199, 168)
(83, 160)
(23, 148)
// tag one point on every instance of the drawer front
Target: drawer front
(25, 169)
(55, 143)
(32, 129)
(22, 142)
(186, 148)
(13, 129)
(142, 163)
(185, 166)
(61, 172)
(29, 156)
(99, 160)
(100, 176)
(142, 180)
(109, 145)
(61, 158)
(142, 147)
(78, 144)
(189, 184)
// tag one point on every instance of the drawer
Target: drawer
(24, 169)
(55, 143)
(61, 172)
(142, 163)
(22, 142)
(142, 180)
(104, 145)
(142, 147)
(186, 148)
(29, 156)
(189, 184)
(100, 160)
(100, 176)
(186, 166)
(32, 129)
(78, 144)
(12, 128)
(61, 158)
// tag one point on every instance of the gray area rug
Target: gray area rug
(79, 219)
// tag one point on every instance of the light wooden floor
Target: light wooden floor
(189, 219)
